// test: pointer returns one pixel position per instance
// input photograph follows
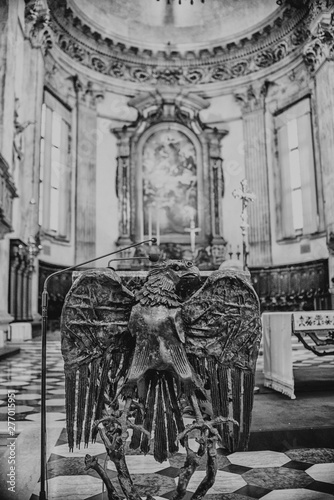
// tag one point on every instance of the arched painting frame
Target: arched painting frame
(169, 183)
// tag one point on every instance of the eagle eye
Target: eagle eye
(189, 263)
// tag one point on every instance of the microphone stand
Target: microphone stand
(45, 297)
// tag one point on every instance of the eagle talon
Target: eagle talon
(207, 430)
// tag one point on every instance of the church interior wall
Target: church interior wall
(106, 200)
(225, 112)
(286, 91)
(55, 250)
(28, 71)
(234, 172)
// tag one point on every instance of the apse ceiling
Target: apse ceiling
(156, 23)
(155, 42)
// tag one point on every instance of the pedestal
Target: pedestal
(20, 332)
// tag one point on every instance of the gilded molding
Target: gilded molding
(273, 43)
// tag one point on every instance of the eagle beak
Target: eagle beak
(191, 273)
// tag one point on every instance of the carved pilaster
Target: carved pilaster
(214, 138)
(37, 29)
(20, 281)
(123, 191)
(127, 216)
(85, 210)
(321, 46)
(27, 123)
(325, 112)
(252, 103)
(319, 60)
(7, 194)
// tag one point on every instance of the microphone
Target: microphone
(71, 268)
(42, 493)
(154, 257)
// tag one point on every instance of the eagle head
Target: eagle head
(168, 283)
(178, 270)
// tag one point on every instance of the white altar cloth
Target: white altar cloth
(277, 352)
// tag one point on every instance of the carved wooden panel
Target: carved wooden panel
(292, 288)
(19, 297)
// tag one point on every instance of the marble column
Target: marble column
(85, 189)
(252, 103)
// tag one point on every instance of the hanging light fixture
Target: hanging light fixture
(180, 1)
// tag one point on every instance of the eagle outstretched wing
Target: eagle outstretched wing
(223, 333)
(96, 347)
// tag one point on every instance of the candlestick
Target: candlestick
(193, 230)
(246, 197)
(158, 226)
(150, 223)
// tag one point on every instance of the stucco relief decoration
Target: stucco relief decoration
(260, 50)
(169, 182)
(37, 18)
(321, 47)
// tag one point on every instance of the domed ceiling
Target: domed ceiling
(155, 42)
(157, 23)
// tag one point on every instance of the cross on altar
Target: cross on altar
(246, 197)
(192, 230)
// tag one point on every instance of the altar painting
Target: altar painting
(170, 196)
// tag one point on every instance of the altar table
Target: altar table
(277, 352)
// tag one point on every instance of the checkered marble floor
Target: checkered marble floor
(301, 357)
(297, 474)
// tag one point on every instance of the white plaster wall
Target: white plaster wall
(304, 250)
(234, 172)
(224, 112)
(55, 251)
(106, 200)
(114, 107)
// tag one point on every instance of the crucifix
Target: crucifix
(246, 197)
(192, 230)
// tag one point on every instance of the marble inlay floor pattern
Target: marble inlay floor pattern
(297, 474)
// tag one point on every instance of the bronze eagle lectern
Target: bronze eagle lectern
(143, 360)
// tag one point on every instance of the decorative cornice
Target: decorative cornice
(155, 108)
(268, 46)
